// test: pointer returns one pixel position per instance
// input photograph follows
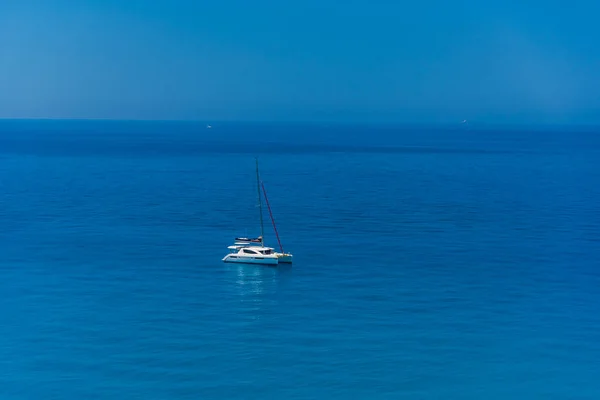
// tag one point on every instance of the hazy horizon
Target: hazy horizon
(215, 126)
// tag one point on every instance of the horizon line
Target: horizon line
(479, 124)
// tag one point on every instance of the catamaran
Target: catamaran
(253, 250)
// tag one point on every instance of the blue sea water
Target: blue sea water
(430, 263)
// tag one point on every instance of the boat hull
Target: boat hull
(284, 258)
(234, 258)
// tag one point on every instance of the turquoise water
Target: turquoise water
(429, 263)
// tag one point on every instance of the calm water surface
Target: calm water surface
(429, 263)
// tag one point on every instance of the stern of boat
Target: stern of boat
(285, 258)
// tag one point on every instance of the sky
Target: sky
(432, 61)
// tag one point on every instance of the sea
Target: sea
(430, 262)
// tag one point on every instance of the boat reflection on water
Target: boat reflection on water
(257, 289)
(256, 281)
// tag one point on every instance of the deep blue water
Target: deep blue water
(430, 263)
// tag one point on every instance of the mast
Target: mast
(272, 219)
(262, 228)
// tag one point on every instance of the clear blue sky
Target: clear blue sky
(419, 61)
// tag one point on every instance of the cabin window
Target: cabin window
(249, 251)
(266, 251)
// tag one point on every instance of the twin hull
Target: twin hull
(235, 258)
(268, 260)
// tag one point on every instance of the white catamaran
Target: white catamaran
(253, 250)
